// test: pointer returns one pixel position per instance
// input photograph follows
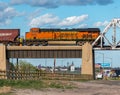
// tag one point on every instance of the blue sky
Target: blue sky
(24, 14)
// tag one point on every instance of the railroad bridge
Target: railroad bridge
(85, 52)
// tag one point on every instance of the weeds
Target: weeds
(35, 84)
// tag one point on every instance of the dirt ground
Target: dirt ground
(5, 89)
(97, 87)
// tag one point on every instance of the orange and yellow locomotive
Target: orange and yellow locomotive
(38, 36)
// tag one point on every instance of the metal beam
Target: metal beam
(44, 52)
(44, 47)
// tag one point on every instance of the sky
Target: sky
(25, 14)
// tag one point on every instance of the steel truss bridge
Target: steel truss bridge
(108, 43)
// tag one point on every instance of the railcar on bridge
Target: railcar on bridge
(10, 36)
(37, 36)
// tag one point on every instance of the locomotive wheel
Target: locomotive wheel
(29, 44)
(36, 43)
(79, 43)
(44, 43)
(10, 44)
(17, 44)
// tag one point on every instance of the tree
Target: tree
(24, 66)
(11, 66)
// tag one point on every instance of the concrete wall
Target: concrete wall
(3, 60)
(87, 60)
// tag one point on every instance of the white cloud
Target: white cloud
(98, 24)
(10, 12)
(34, 14)
(17, 2)
(82, 26)
(44, 3)
(57, 3)
(39, 3)
(73, 20)
(52, 20)
(3, 6)
(77, 2)
(44, 20)
(7, 14)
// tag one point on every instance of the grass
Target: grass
(22, 83)
(9, 93)
(35, 84)
(60, 84)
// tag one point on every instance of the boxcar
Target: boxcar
(9, 36)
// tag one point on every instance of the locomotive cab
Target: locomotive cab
(35, 30)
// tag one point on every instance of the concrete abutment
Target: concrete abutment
(88, 60)
(3, 59)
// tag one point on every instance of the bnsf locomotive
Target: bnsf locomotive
(37, 36)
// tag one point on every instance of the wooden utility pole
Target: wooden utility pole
(54, 64)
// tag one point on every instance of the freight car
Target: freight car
(10, 36)
(37, 36)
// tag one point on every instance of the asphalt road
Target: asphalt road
(107, 82)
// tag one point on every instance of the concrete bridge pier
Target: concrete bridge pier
(88, 60)
(3, 60)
